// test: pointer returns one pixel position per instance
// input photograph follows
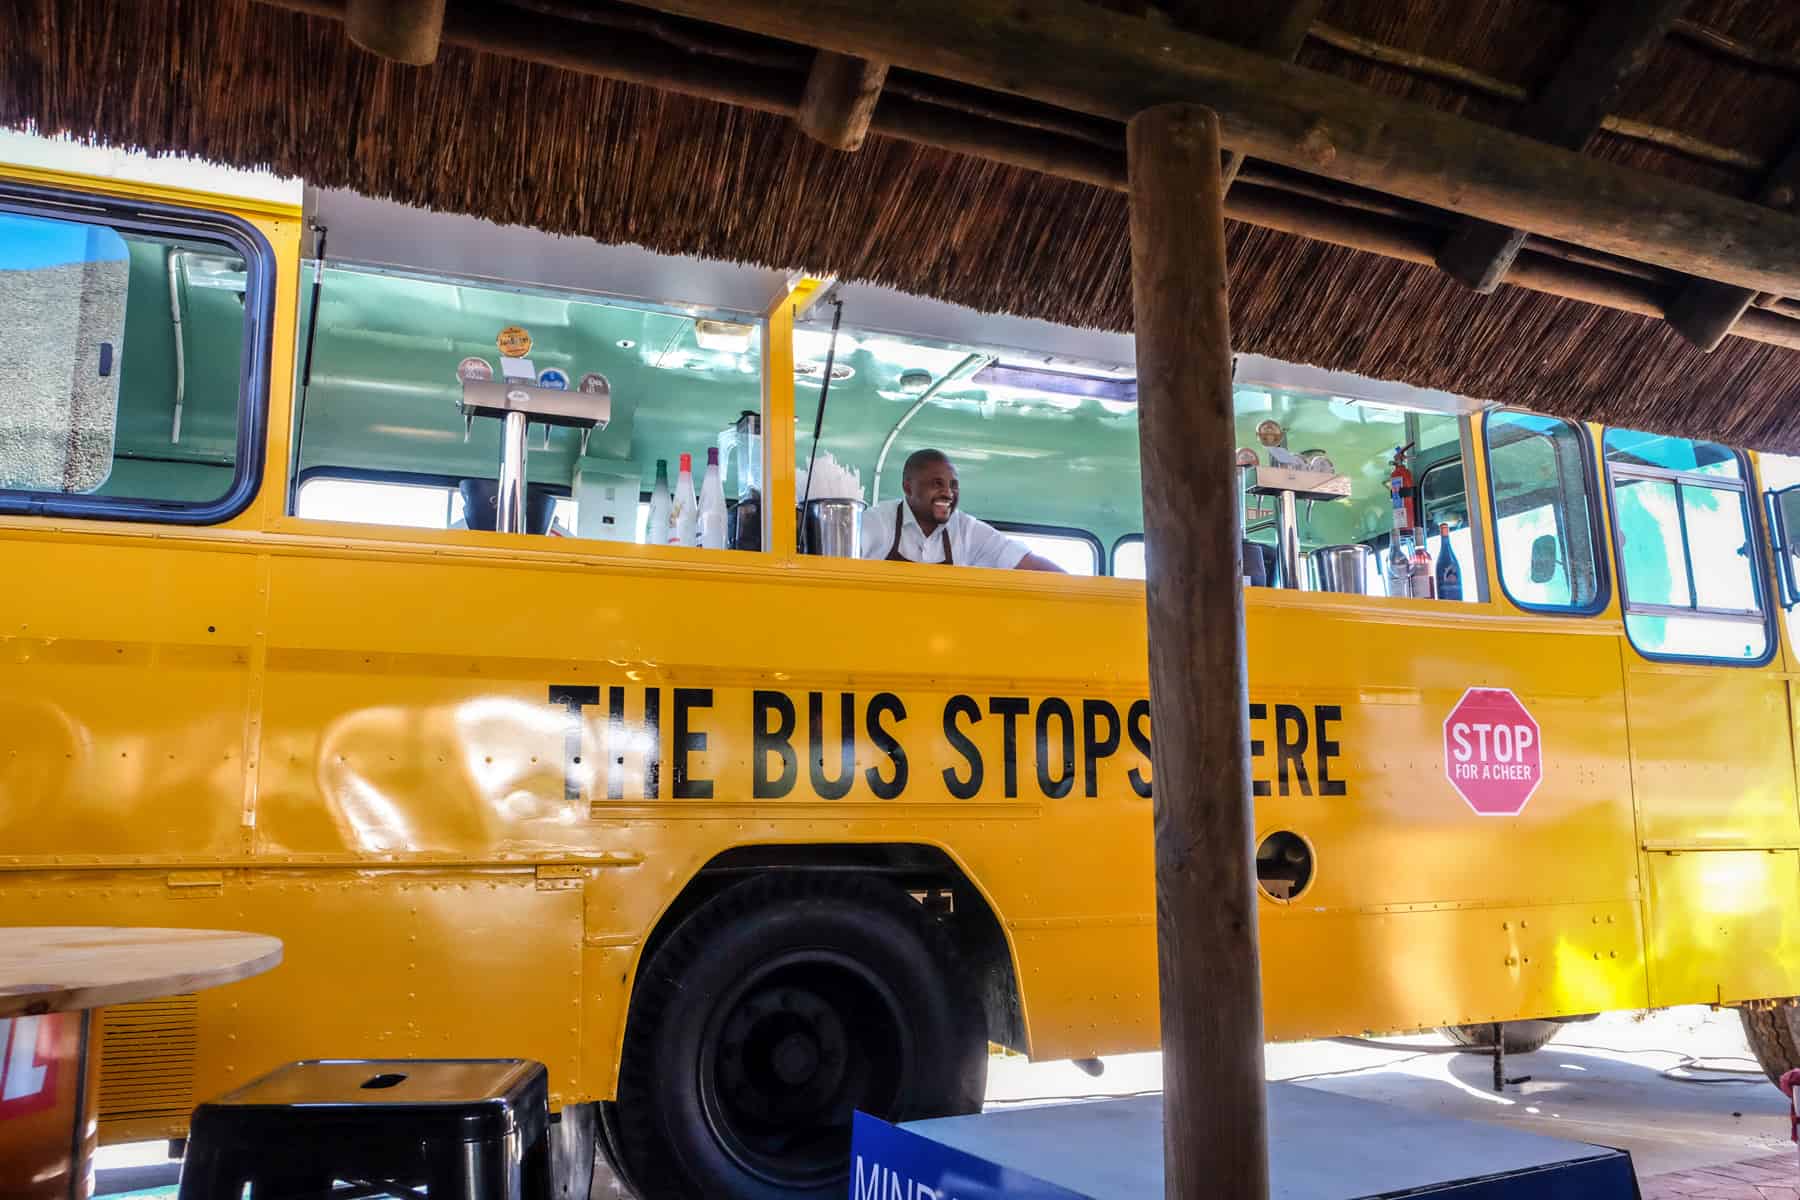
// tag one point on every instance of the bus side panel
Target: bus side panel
(124, 693)
(1725, 926)
(375, 964)
(1714, 781)
(1424, 911)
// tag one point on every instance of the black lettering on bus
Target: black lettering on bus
(1135, 717)
(765, 741)
(686, 786)
(831, 789)
(961, 743)
(615, 743)
(1094, 745)
(1009, 709)
(1327, 749)
(1291, 750)
(1055, 787)
(880, 705)
(1258, 712)
(652, 743)
(571, 699)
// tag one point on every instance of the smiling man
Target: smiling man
(927, 526)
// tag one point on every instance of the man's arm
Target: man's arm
(1037, 562)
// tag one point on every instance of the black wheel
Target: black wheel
(1774, 1037)
(771, 1014)
(1522, 1037)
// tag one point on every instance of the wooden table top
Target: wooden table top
(62, 968)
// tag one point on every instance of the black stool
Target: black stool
(474, 1129)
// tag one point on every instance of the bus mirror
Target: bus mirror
(1787, 525)
(1543, 558)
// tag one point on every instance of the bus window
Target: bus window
(1075, 553)
(1687, 562)
(1046, 461)
(416, 505)
(1780, 472)
(1545, 527)
(382, 439)
(1128, 557)
(131, 388)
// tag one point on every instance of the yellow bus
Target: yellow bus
(738, 840)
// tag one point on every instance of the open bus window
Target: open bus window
(1546, 535)
(382, 437)
(1345, 543)
(1687, 557)
(130, 387)
(1046, 459)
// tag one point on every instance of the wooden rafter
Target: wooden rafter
(1704, 311)
(406, 31)
(1111, 65)
(1276, 28)
(840, 98)
(1613, 47)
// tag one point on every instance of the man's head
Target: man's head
(929, 481)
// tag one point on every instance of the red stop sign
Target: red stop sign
(1493, 753)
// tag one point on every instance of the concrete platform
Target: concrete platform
(1322, 1147)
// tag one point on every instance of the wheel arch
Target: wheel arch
(929, 873)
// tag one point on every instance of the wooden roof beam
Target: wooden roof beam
(1704, 311)
(406, 31)
(1115, 66)
(1616, 42)
(840, 98)
(1275, 27)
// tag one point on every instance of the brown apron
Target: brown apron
(894, 555)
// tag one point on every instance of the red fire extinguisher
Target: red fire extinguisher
(1400, 488)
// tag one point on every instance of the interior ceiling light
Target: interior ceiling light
(1060, 383)
(915, 381)
(627, 344)
(723, 337)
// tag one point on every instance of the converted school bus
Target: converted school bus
(806, 833)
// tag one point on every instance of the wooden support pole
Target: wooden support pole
(840, 97)
(1705, 311)
(1613, 47)
(1108, 64)
(406, 31)
(1215, 1132)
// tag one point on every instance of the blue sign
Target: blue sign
(887, 1162)
(552, 378)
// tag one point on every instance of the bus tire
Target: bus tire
(771, 1013)
(1774, 1037)
(1521, 1037)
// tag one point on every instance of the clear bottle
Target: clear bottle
(1449, 571)
(713, 518)
(684, 510)
(1419, 577)
(657, 534)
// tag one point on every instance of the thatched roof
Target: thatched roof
(252, 85)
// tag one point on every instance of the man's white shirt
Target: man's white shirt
(973, 543)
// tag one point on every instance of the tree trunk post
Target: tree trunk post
(1215, 1137)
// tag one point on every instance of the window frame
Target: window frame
(1596, 519)
(1101, 561)
(1756, 537)
(1112, 557)
(145, 216)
